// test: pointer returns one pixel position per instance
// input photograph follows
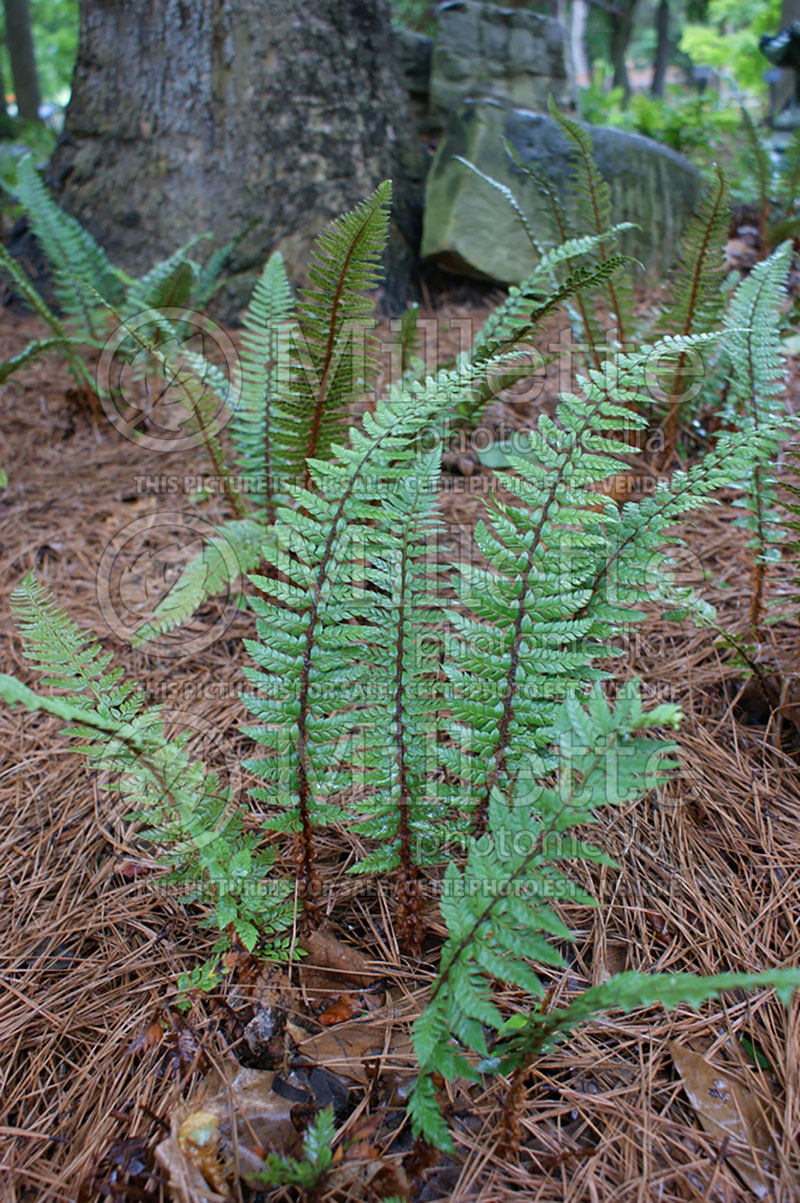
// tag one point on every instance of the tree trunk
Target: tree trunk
(621, 27)
(577, 39)
(3, 105)
(662, 48)
(265, 116)
(19, 40)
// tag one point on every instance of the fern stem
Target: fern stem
(409, 925)
(504, 725)
(214, 453)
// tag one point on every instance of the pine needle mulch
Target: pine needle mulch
(95, 1055)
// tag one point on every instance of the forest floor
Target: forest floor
(98, 1061)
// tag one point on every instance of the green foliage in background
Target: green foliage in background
(728, 39)
(55, 41)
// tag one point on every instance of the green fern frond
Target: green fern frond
(529, 630)
(593, 198)
(187, 811)
(336, 355)
(788, 184)
(263, 433)
(74, 255)
(319, 688)
(525, 308)
(634, 991)
(759, 161)
(40, 307)
(697, 302)
(35, 350)
(585, 326)
(209, 278)
(757, 382)
(499, 916)
(70, 658)
(168, 285)
(511, 201)
(234, 551)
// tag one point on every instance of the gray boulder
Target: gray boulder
(510, 55)
(469, 228)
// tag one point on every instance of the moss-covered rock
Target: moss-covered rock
(469, 228)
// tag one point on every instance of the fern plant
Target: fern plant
(86, 283)
(462, 702)
(776, 184)
(696, 303)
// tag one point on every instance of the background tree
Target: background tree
(258, 117)
(19, 39)
(661, 58)
(620, 28)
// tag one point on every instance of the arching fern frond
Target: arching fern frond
(61, 338)
(697, 301)
(530, 630)
(74, 255)
(232, 552)
(593, 197)
(327, 657)
(187, 810)
(501, 925)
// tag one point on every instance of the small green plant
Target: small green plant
(306, 1174)
(199, 980)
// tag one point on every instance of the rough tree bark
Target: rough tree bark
(19, 40)
(270, 116)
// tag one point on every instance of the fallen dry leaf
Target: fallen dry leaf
(346, 1007)
(328, 959)
(202, 1147)
(344, 1048)
(372, 1179)
(727, 1109)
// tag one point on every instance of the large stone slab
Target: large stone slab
(511, 55)
(469, 228)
